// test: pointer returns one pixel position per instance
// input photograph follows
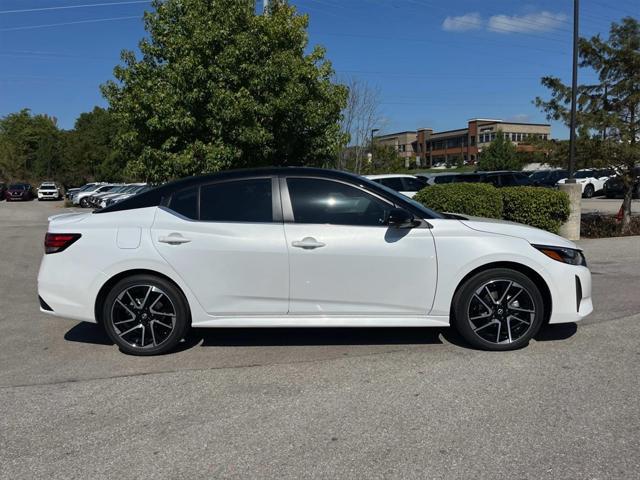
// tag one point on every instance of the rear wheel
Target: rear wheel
(498, 309)
(589, 190)
(145, 315)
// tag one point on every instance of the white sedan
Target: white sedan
(286, 247)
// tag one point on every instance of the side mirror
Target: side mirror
(399, 218)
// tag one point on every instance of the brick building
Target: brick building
(462, 145)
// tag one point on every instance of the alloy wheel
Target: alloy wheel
(143, 316)
(501, 311)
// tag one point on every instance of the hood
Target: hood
(532, 235)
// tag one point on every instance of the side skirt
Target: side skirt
(318, 321)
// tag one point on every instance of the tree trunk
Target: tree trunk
(626, 203)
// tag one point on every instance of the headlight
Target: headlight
(564, 255)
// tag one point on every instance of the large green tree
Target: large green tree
(89, 150)
(608, 109)
(499, 155)
(217, 86)
(29, 146)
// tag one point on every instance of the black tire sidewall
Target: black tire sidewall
(463, 298)
(589, 191)
(183, 317)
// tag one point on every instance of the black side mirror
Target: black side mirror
(399, 218)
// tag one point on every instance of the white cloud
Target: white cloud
(470, 21)
(531, 22)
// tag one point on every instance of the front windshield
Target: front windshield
(17, 186)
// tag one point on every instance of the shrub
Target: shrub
(478, 199)
(602, 226)
(539, 207)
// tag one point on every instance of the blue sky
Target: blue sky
(436, 63)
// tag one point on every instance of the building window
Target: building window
(473, 140)
(493, 137)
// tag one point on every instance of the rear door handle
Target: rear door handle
(308, 243)
(174, 239)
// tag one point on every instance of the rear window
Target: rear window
(237, 201)
(185, 203)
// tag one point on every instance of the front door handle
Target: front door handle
(174, 239)
(308, 243)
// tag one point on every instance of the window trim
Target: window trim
(276, 205)
(287, 206)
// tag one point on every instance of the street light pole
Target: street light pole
(373, 131)
(574, 93)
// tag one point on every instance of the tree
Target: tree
(499, 155)
(29, 146)
(217, 87)
(359, 118)
(608, 110)
(89, 149)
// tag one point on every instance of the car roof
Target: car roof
(389, 175)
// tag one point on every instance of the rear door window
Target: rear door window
(237, 201)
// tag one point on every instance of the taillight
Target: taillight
(57, 242)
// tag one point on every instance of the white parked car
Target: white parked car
(407, 185)
(82, 197)
(49, 191)
(286, 247)
(590, 180)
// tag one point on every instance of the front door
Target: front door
(344, 260)
(223, 240)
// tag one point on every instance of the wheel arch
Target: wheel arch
(106, 287)
(519, 267)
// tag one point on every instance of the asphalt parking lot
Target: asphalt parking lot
(295, 403)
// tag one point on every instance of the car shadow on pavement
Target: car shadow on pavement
(91, 333)
(85, 332)
(559, 331)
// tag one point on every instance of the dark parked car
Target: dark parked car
(497, 179)
(614, 187)
(3, 189)
(19, 191)
(547, 178)
(438, 178)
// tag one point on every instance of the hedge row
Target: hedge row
(539, 207)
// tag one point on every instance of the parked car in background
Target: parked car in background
(591, 180)
(94, 198)
(437, 178)
(547, 178)
(407, 185)
(303, 247)
(614, 186)
(72, 192)
(49, 191)
(3, 189)
(82, 197)
(111, 199)
(497, 179)
(19, 192)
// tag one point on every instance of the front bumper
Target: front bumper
(571, 294)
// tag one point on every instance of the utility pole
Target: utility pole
(574, 93)
(571, 228)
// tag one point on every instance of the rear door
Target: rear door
(345, 260)
(226, 240)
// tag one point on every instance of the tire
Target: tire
(589, 190)
(489, 325)
(145, 315)
(636, 192)
(84, 203)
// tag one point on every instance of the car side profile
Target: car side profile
(591, 181)
(284, 247)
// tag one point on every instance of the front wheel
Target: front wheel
(84, 203)
(498, 309)
(145, 315)
(589, 190)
